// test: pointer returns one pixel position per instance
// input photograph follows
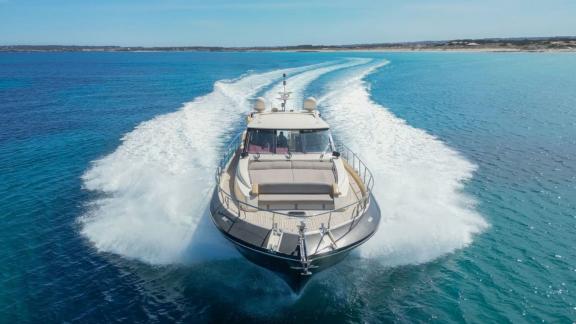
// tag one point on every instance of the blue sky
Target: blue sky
(259, 22)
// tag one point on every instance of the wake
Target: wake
(418, 179)
(300, 82)
(154, 189)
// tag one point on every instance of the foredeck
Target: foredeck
(315, 220)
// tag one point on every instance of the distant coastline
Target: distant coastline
(529, 44)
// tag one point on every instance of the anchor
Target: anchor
(306, 264)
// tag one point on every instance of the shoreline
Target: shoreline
(556, 44)
(358, 50)
(431, 50)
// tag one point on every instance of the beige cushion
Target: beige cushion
(269, 165)
(271, 176)
(313, 165)
(335, 190)
(320, 198)
(313, 176)
(295, 188)
(255, 189)
(293, 177)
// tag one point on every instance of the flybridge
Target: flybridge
(286, 120)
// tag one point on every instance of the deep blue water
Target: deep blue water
(511, 115)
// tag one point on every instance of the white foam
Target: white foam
(418, 179)
(300, 82)
(155, 187)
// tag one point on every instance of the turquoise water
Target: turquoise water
(105, 160)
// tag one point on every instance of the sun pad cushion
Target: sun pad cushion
(293, 177)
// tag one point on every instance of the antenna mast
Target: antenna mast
(284, 95)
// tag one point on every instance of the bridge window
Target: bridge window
(283, 141)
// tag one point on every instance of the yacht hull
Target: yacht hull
(289, 270)
(287, 262)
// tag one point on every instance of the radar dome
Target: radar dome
(310, 104)
(260, 104)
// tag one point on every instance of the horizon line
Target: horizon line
(514, 38)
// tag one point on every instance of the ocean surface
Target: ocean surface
(107, 163)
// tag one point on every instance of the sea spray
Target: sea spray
(155, 188)
(418, 179)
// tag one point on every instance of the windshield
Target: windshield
(315, 141)
(285, 141)
(261, 141)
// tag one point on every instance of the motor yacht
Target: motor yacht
(290, 197)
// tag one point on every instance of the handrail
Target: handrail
(353, 160)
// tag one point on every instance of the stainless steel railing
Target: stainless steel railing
(353, 161)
